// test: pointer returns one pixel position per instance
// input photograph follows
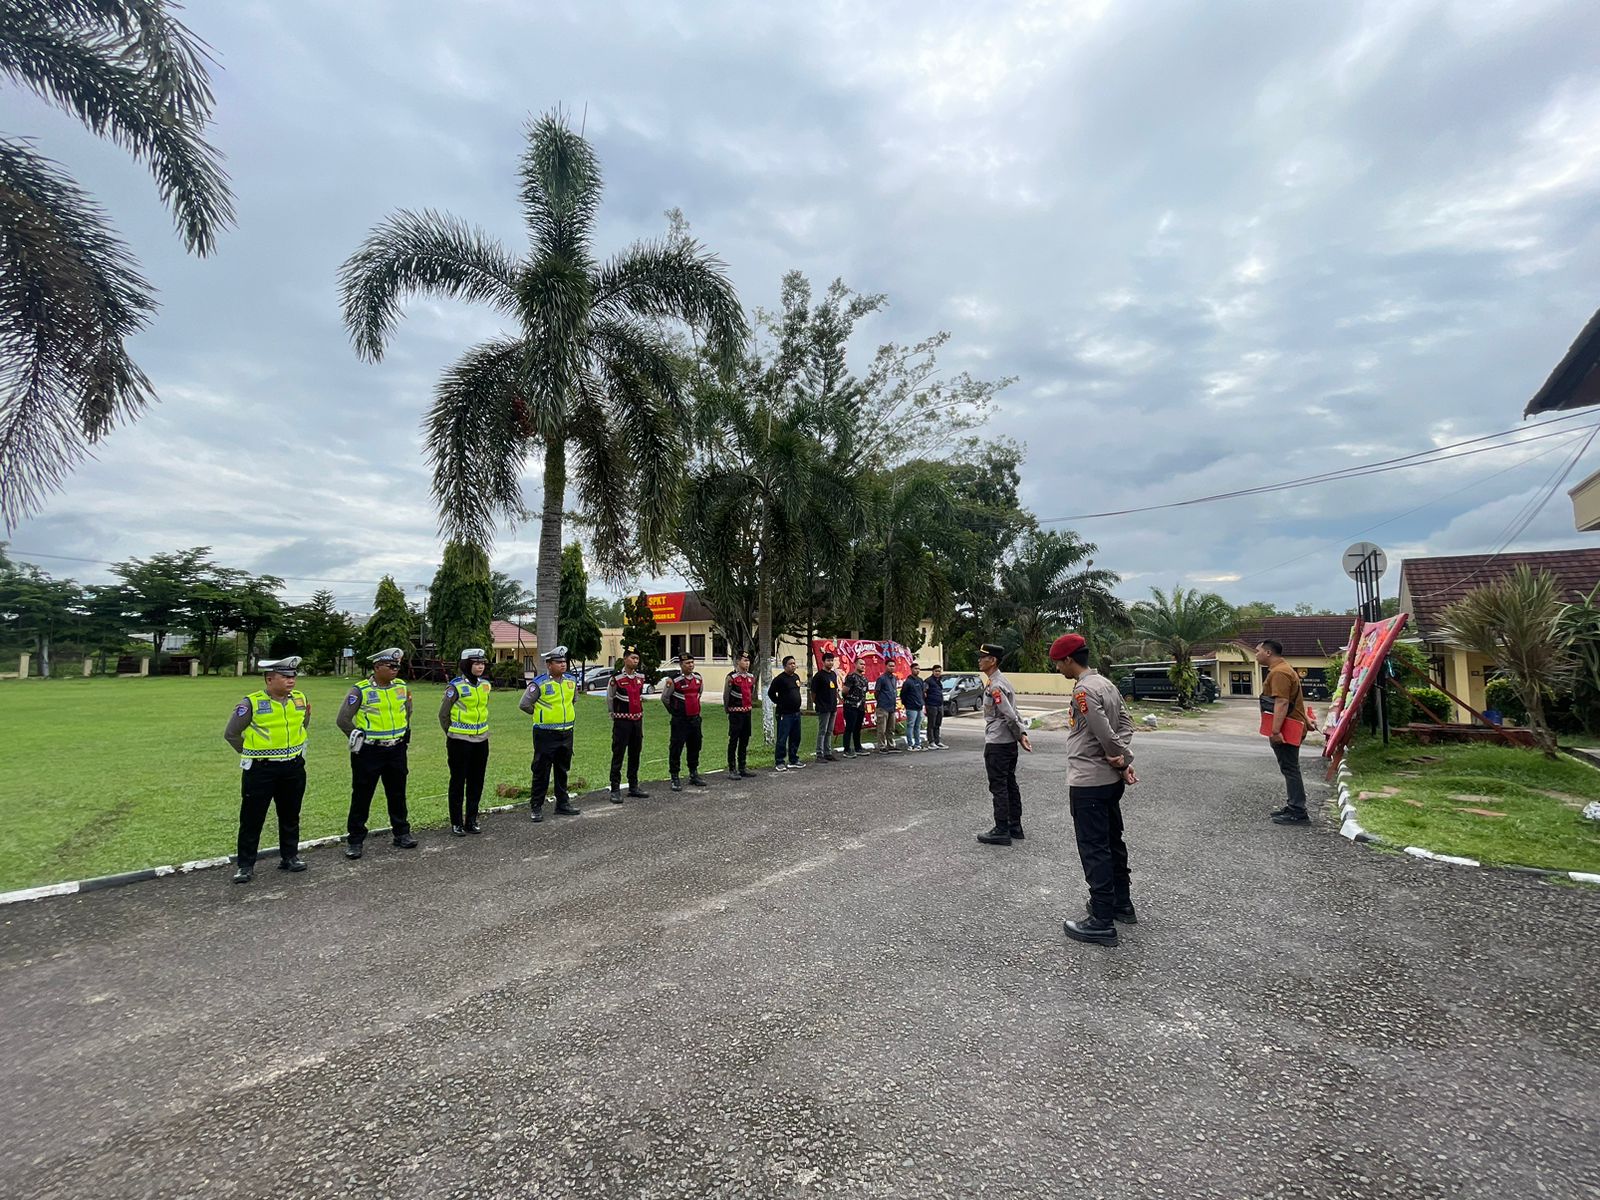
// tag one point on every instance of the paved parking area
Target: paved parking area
(816, 984)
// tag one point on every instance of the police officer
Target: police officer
(1099, 768)
(1003, 732)
(552, 701)
(464, 715)
(625, 699)
(739, 701)
(682, 698)
(268, 730)
(377, 717)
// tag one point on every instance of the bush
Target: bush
(506, 674)
(1562, 712)
(1434, 700)
(1501, 696)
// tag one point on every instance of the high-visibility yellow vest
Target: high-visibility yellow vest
(277, 729)
(470, 713)
(383, 709)
(555, 703)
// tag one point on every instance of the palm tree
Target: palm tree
(1178, 623)
(911, 503)
(1517, 621)
(1051, 583)
(588, 371)
(70, 290)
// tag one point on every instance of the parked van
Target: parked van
(1151, 683)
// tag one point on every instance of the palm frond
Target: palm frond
(678, 280)
(69, 296)
(132, 74)
(477, 437)
(561, 186)
(414, 252)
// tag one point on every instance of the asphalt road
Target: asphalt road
(816, 984)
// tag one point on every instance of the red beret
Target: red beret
(1065, 646)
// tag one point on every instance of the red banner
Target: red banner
(1360, 676)
(666, 606)
(874, 658)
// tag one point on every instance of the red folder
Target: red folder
(1294, 732)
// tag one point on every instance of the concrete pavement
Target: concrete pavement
(816, 984)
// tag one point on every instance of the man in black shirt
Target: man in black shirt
(825, 699)
(854, 693)
(784, 692)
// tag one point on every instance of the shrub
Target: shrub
(1501, 696)
(1435, 701)
(506, 674)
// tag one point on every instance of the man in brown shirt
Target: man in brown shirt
(1282, 697)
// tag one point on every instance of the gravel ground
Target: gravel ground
(816, 984)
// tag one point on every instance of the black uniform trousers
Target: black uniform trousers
(738, 741)
(468, 763)
(685, 736)
(627, 738)
(367, 766)
(935, 721)
(1097, 820)
(1000, 765)
(552, 754)
(270, 782)
(1289, 763)
(853, 717)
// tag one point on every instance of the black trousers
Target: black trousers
(738, 741)
(685, 736)
(853, 717)
(266, 783)
(552, 754)
(935, 720)
(468, 762)
(1097, 820)
(1000, 765)
(1289, 763)
(367, 766)
(627, 738)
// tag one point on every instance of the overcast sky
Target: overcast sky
(1219, 243)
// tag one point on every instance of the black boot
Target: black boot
(677, 786)
(1000, 835)
(635, 792)
(537, 814)
(1091, 929)
(564, 808)
(1016, 831)
(405, 841)
(472, 826)
(1123, 914)
(292, 864)
(746, 773)
(616, 795)
(459, 830)
(244, 874)
(696, 781)
(352, 849)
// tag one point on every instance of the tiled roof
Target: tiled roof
(1302, 637)
(1575, 381)
(1433, 584)
(506, 633)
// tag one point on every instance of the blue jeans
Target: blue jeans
(913, 727)
(788, 738)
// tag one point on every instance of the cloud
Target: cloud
(1232, 244)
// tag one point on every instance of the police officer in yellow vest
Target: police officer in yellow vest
(377, 717)
(268, 730)
(552, 701)
(465, 718)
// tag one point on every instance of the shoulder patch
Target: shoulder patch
(243, 710)
(353, 699)
(450, 692)
(1083, 702)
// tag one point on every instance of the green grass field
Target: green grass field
(1445, 798)
(104, 775)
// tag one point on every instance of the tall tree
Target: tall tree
(318, 631)
(70, 291)
(157, 593)
(392, 622)
(1051, 584)
(639, 633)
(257, 609)
(579, 628)
(41, 609)
(461, 602)
(511, 599)
(587, 371)
(1177, 623)
(1517, 621)
(1580, 622)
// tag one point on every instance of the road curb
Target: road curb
(1350, 828)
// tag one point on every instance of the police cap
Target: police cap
(392, 655)
(281, 666)
(1066, 646)
(993, 651)
(476, 652)
(554, 653)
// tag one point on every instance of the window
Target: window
(1241, 683)
(677, 646)
(661, 645)
(719, 645)
(697, 645)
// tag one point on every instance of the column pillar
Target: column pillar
(88, 667)
(144, 667)
(22, 665)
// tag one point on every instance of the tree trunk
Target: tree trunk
(44, 656)
(764, 636)
(156, 639)
(1542, 733)
(547, 584)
